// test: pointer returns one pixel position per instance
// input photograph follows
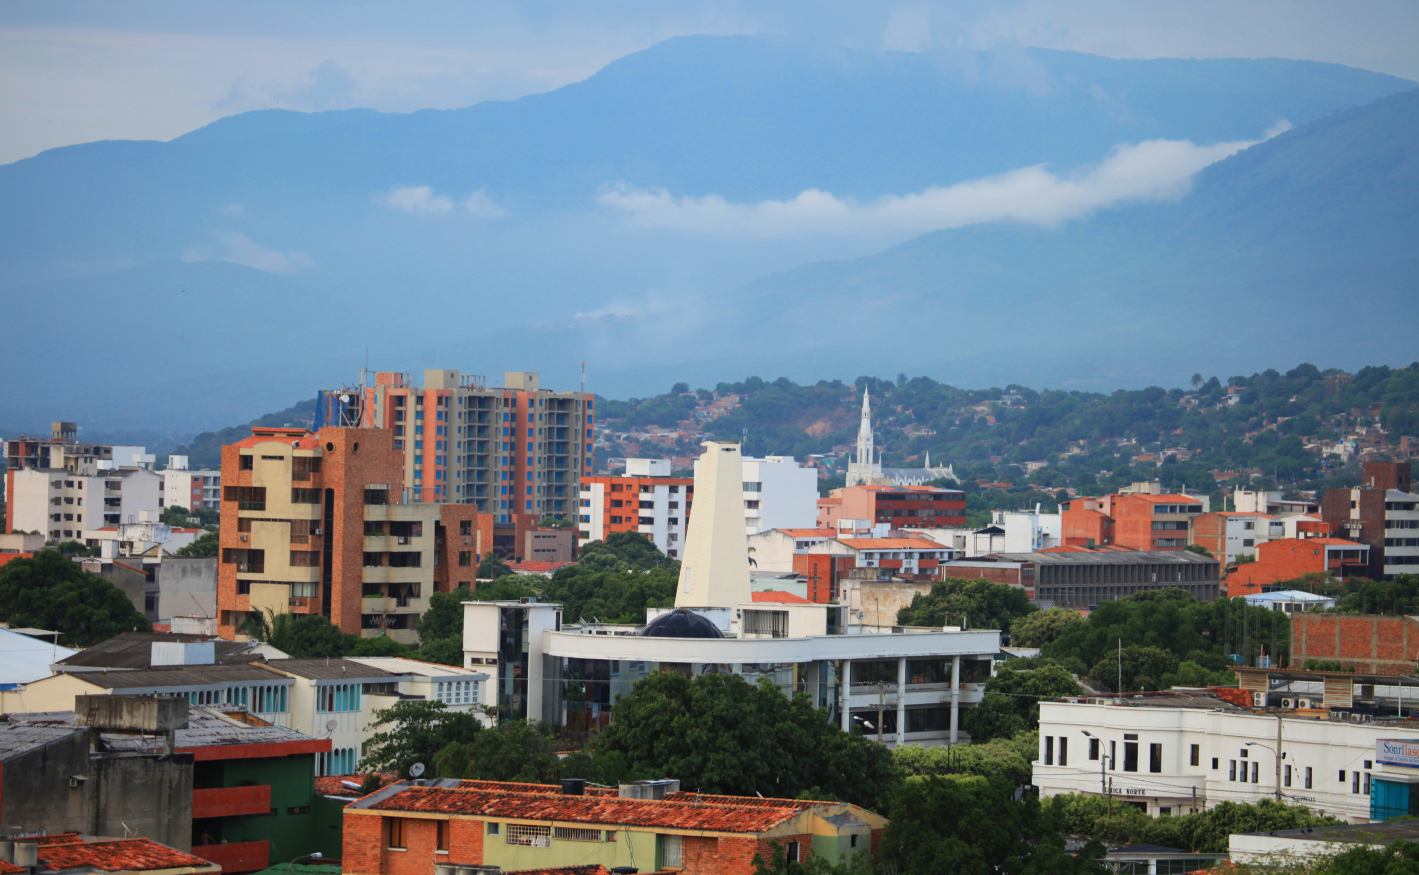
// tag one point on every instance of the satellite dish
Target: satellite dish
(416, 770)
(344, 399)
(330, 725)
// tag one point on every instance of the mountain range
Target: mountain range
(651, 221)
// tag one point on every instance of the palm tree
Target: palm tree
(274, 629)
(1196, 380)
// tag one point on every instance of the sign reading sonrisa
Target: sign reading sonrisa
(1398, 752)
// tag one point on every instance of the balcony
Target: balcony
(231, 801)
(236, 856)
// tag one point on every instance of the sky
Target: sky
(74, 72)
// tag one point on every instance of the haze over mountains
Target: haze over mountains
(653, 221)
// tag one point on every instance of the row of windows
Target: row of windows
(337, 697)
(340, 761)
(456, 692)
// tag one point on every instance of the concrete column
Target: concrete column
(846, 694)
(955, 698)
(901, 700)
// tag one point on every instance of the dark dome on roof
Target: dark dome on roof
(681, 623)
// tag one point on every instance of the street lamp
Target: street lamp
(1102, 758)
(1279, 758)
(315, 856)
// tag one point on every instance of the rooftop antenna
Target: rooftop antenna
(583, 380)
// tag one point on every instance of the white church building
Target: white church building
(896, 685)
(866, 469)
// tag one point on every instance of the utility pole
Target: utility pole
(1278, 756)
(881, 696)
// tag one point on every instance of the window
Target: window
(1355, 782)
(1093, 749)
(529, 835)
(456, 692)
(1231, 770)
(1286, 776)
(1308, 777)
(1367, 784)
(576, 834)
(790, 851)
(671, 852)
(247, 462)
(337, 697)
(441, 838)
(1342, 776)
(1130, 756)
(493, 829)
(1255, 776)
(396, 833)
(465, 558)
(246, 497)
(1155, 758)
(1049, 750)
(1195, 756)
(465, 527)
(1063, 751)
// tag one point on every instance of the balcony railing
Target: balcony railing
(231, 801)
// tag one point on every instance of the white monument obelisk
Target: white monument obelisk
(714, 572)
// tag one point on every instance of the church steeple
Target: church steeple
(864, 433)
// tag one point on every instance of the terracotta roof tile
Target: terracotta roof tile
(891, 544)
(12, 869)
(119, 855)
(744, 801)
(591, 809)
(809, 533)
(781, 597)
(63, 838)
(334, 785)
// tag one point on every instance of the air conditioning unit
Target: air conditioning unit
(317, 531)
(1258, 700)
(1303, 703)
(244, 537)
(1357, 718)
(1288, 703)
(1339, 715)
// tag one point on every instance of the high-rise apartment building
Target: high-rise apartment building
(1382, 512)
(511, 450)
(61, 450)
(322, 524)
(192, 489)
(62, 505)
(646, 500)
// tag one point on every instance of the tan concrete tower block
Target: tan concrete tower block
(715, 568)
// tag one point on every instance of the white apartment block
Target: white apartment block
(1175, 754)
(646, 499)
(778, 494)
(62, 505)
(191, 489)
(1401, 533)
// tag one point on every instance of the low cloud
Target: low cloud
(422, 199)
(415, 199)
(1151, 170)
(241, 249)
(233, 210)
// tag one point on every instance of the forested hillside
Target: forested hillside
(1285, 429)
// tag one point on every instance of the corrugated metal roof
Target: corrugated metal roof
(134, 650)
(177, 676)
(207, 726)
(329, 669)
(1110, 557)
(19, 737)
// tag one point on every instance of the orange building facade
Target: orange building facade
(321, 524)
(1137, 522)
(1289, 558)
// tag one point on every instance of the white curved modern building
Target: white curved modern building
(902, 685)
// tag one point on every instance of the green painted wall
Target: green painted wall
(292, 782)
(832, 848)
(630, 849)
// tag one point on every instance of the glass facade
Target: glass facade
(512, 662)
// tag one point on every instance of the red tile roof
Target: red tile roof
(891, 544)
(786, 598)
(591, 809)
(62, 838)
(1169, 499)
(744, 801)
(304, 439)
(119, 855)
(334, 785)
(809, 533)
(12, 869)
(515, 787)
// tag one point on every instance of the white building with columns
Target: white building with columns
(909, 686)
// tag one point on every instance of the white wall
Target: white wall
(788, 494)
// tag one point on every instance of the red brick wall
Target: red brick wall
(1210, 530)
(1387, 475)
(1282, 559)
(1133, 524)
(363, 844)
(448, 574)
(1083, 526)
(1376, 644)
(346, 469)
(824, 572)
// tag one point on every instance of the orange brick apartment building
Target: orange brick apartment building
(1290, 558)
(445, 824)
(918, 507)
(509, 450)
(319, 524)
(1138, 522)
(1373, 643)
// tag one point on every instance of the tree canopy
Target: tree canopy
(205, 545)
(1039, 628)
(622, 551)
(411, 732)
(982, 604)
(720, 734)
(49, 591)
